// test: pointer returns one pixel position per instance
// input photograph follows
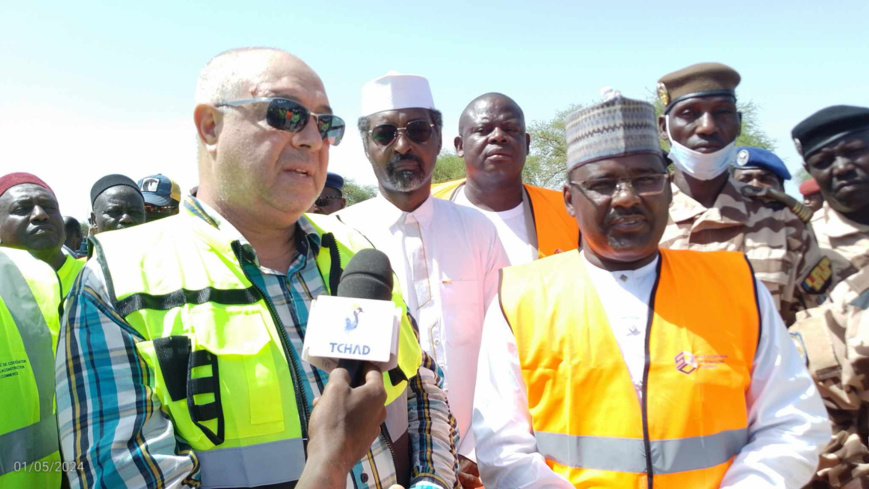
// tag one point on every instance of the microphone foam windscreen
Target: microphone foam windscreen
(367, 276)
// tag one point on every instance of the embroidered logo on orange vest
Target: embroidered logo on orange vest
(687, 362)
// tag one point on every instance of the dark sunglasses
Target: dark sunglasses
(417, 131)
(323, 201)
(289, 115)
(160, 209)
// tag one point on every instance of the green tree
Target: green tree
(801, 176)
(449, 166)
(355, 193)
(545, 166)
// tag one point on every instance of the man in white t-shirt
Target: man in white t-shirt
(446, 256)
(532, 222)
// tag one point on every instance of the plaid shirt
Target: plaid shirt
(114, 428)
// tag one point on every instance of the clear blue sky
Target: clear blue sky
(90, 88)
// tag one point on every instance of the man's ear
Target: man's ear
(662, 128)
(208, 121)
(739, 130)
(459, 144)
(568, 199)
(527, 144)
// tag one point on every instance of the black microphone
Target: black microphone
(367, 276)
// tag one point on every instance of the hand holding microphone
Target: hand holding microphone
(344, 423)
(346, 419)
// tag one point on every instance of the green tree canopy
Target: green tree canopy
(449, 166)
(355, 193)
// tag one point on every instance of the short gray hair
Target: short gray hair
(224, 77)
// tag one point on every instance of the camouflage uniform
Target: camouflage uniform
(835, 339)
(842, 240)
(781, 248)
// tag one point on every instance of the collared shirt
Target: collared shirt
(843, 241)
(463, 255)
(786, 419)
(624, 296)
(781, 248)
(108, 417)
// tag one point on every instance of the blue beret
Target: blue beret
(334, 180)
(828, 125)
(751, 157)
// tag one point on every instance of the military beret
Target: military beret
(334, 180)
(810, 187)
(700, 80)
(751, 157)
(827, 126)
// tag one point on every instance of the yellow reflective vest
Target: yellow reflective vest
(590, 425)
(29, 325)
(223, 366)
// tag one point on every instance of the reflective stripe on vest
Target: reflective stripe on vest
(38, 440)
(251, 466)
(628, 455)
(691, 418)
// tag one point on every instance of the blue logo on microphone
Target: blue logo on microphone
(350, 323)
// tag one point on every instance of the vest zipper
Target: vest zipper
(295, 373)
(647, 443)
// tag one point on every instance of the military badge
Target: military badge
(799, 146)
(819, 278)
(742, 157)
(663, 94)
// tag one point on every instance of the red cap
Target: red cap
(13, 179)
(809, 187)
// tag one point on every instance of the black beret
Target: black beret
(110, 181)
(828, 125)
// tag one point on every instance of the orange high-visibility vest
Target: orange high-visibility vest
(557, 230)
(589, 423)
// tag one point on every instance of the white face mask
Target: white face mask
(702, 166)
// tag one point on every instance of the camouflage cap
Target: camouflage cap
(700, 80)
(617, 127)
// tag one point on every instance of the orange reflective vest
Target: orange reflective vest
(588, 421)
(557, 230)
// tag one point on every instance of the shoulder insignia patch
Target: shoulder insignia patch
(819, 278)
(797, 338)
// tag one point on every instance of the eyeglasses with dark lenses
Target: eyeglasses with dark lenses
(324, 200)
(160, 209)
(604, 188)
(289, 115)
(418, 131)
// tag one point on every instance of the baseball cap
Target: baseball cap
(159, 190)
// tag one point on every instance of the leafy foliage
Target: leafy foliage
(355, 193)
(449, 166)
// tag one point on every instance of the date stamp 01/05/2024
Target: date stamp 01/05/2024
(46, 466)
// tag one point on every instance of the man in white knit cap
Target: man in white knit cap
(446, 256)
(626, 365)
